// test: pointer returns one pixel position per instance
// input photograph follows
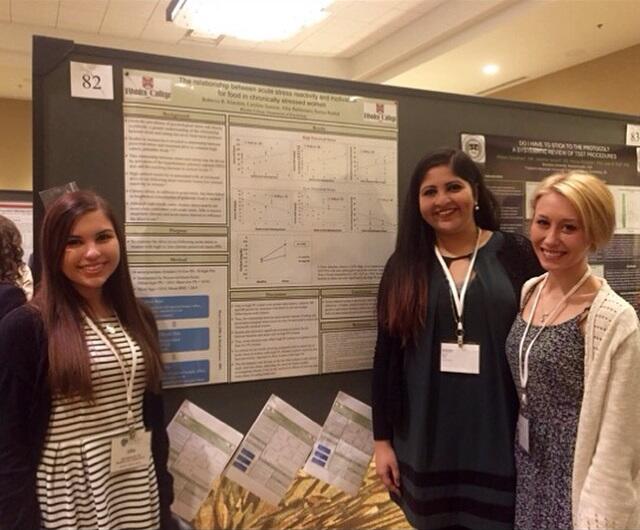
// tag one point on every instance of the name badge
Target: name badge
(523, 432)
(130, 453)
(463, 359)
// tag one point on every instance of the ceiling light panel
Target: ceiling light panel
(490, 69)
(268, 20)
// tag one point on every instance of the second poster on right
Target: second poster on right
(514, 166)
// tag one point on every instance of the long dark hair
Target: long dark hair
(402, 298)
(10, 251)
(61, 305)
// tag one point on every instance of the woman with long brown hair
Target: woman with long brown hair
(11, 266)
(82, 438)
(444, 404)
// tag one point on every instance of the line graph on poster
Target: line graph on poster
(323, 159)
(374, 213)
(273, 260)
(374, 163)
(326, 211)
(255, 156)
(265, 209)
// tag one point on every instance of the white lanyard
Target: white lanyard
(458, 300)
(523, 360)
(128, 381)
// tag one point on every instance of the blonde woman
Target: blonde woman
(574, 352)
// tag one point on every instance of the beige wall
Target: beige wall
(610, 83)
(15, 144)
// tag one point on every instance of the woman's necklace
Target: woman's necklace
(454, 256)
(544, 313)
(450, 259)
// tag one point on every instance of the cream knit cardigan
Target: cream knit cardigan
(606, 481)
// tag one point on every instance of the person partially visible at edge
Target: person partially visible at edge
(574, 351)
(25, 281)
(444, 403)
(11, 264)
(79, 381)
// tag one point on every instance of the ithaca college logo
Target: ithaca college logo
(147, 87)
(380, 112)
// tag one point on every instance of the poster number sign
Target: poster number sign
(633, 134)
(93, 81)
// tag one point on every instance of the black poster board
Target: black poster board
(82, 140)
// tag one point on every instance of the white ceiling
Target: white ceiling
(429, 44)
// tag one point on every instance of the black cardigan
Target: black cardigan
(11, 296)
(25, 407)
(519, 262)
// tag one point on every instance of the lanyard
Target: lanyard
(523, 360)
(128, 381)
(458, 300)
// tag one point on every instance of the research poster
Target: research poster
(200, 447)
(341, 454)
(514, 166)
(273, 451)
(259, 220)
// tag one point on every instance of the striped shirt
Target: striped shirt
(75, 486)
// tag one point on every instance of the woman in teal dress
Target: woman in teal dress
(444, 403)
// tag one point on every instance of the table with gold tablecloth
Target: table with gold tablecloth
(309, 503)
